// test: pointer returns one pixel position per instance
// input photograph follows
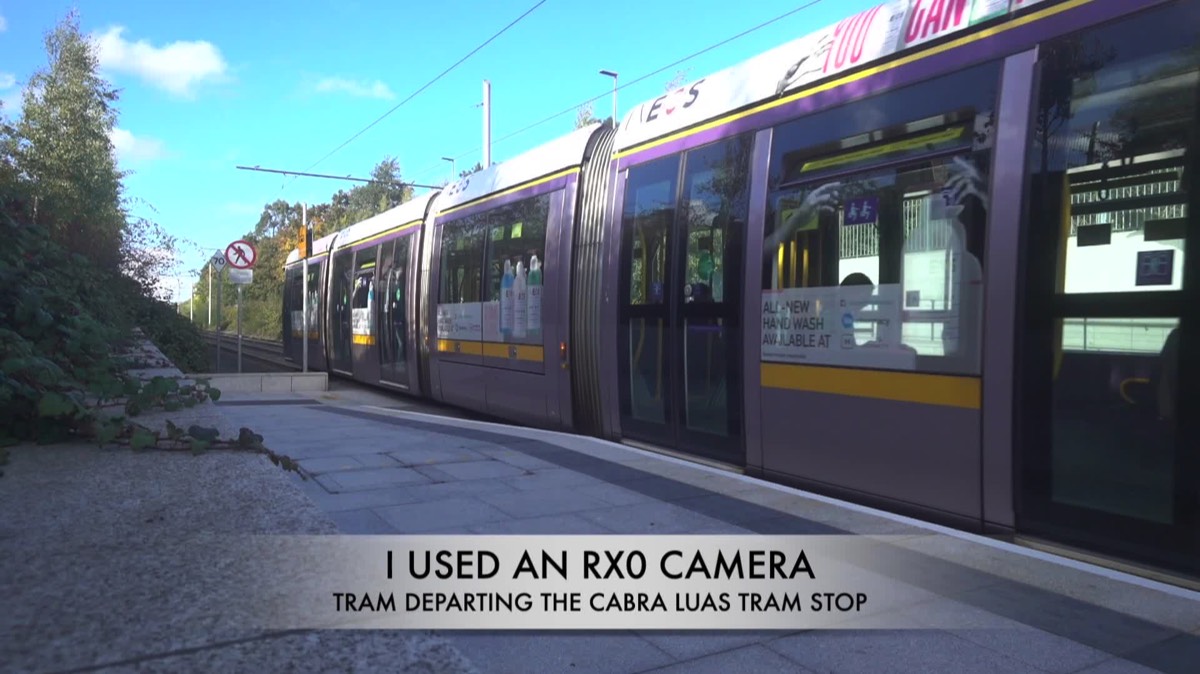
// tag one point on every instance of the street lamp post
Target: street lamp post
(609, 73)
(453, 173)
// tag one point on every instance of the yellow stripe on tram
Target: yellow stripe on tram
(533, 353)
(914, 387)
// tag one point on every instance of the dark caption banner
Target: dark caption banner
(576, 582)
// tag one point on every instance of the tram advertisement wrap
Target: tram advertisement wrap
(574, 582)
(842, 326)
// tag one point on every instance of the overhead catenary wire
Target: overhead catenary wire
(427, 85)
(642, 78)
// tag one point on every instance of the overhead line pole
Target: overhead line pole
(487, 124)
(304, 285)
(648, 75)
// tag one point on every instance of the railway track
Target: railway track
(258, 355)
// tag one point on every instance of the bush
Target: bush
(63, 320)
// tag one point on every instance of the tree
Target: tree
(384, 192)
(1068, 72)
(585, 116)
(680, 79)
(474, 169)
(64, 151)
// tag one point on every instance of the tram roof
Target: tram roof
(562, 153)
(870, 36)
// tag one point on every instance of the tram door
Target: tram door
(1110, 440)
(679, 334)
(393, 351)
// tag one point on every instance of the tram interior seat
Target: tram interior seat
(1113, 438)
(1124, 399)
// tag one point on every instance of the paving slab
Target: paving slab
(364, 522)
(548, 525)
(685, 645)
(477, 470)
(436, 516)
(752, 659)
(418, 456)
(575, 652)
(549, 502)
(376, 478)
(893, 651)
(649, 518)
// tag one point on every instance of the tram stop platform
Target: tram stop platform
(94, 577)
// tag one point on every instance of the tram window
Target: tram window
(462, 261)
(874, 239)
(716, 192)
(343, 277)
(292, 302)
(314, 298)
(364, 281)
(1114, 121)
(516, 235)
(649, 212)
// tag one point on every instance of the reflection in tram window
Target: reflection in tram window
(293, 309)
(342, 287)
(874, 240)
(716, 191)
(1114, 125)
(314, 300)
(393, 308)
(459, 311)
(462, 260)
(362, 303)
(649, 212)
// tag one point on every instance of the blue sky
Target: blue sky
(207, 86)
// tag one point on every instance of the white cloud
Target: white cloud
(7, 80)
(3, 23)
(177, 68)
(132, 148)
(374, 89)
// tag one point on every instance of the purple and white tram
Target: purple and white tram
(931, 258)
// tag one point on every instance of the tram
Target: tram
(929, 259)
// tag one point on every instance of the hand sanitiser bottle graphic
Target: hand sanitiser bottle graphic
(506, 299)
(520, 310)
(533, 297)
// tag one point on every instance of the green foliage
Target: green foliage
(276, 234)
(63, 149)
(76, 276)
(59, 379)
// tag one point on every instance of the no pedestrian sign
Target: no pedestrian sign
(241, 255)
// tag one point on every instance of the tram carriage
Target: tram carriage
(930, 259)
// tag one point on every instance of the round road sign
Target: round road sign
(241, 254)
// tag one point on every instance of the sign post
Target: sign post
(239, 328)
(218, 262)
(241, 256)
